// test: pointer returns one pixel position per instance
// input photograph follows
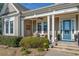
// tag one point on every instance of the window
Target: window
(7, 26)
(39, 27)
(11, 26)
(45, 26)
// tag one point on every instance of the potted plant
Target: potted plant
(58, 36)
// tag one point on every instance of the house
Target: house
(47, 21)
(11, 16)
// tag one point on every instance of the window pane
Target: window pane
(11, 26)
(66, 25)
(39, 27)
(45, 26)
(7, 26)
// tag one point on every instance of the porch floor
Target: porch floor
(71, 44)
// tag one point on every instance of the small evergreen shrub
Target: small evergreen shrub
(12, 41)
(25, 51)
(34, 42)
(29, 42)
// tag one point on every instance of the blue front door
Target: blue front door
(66, 30)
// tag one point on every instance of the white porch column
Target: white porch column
(53, 35)
(32, 26)
(78, 25)
(42, 29)
(36, 26)
(22, 27)
(48, 29)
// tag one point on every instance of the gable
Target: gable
(8, 8)
(11, 8)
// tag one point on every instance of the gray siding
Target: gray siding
(17, 25)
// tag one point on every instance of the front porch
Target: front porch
(65, 25)
(60, 23)
(40, 26)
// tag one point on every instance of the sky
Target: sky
(35, 5)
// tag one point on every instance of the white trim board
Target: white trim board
(74, 9)
(4, 10)
(15, 8)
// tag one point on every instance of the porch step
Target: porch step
(68, 49)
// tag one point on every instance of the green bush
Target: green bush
(34, 42)
(44, 42)
(29, 42)
(12, 41)
(25, 51)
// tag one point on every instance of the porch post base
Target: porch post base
(52, 45)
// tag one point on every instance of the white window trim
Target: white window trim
(71, 18)
(42, 27)
(11, 19)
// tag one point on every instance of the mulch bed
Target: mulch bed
(16, 51)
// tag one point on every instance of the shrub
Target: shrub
(29, 42)
(45, 43)
(12, 41)
(25, 51)
(34, 42)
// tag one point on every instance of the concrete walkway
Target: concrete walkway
(53, 52)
